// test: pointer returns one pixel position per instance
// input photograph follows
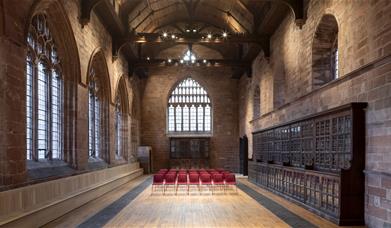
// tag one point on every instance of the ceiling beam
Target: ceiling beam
(197, 38)
(297, 7)
(86, 7)
(198, 63)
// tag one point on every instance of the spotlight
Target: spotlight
(165, 34)
(209, 36)
(225, 34)
(169, 60)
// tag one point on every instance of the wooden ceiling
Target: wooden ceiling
(137, 28)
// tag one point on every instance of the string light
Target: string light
(225, 34)
(209, 36)
(165, 34)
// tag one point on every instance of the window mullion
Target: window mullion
(49, 112)
(34, 109)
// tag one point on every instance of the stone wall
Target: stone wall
(76, 46)
(222, 90)
(364, 43)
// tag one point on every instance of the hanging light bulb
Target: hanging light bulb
(165, 34)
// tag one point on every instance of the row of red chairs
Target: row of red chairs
(171, 178)
(219, 170)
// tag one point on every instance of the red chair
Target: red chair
(225, 173)
(220, 170)
(182, 180)
(194, 179)
(230, 181)
(158, 180)
(170, 180)
(218, 180)
(206, 180)
(163, 170)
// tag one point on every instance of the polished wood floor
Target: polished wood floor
(232, 209)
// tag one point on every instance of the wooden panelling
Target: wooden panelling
(317, 161)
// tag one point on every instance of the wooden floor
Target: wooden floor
(219, 210)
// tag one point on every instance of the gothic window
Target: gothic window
(44, 94)
(325, 64)
(256, 102)
(189, 109)
(94, 117)
(120, 128)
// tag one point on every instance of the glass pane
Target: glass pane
(29, 108)
(190, 100)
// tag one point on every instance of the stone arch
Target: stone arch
(63, 36)
(98, 65)
(121, 91)
(98, 71)
(325, 51)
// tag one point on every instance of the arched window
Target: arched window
(98, 108)
(257, 102)
(121, 121)
(325, 64)
(189, 108)
(94, 116)
(44, 94)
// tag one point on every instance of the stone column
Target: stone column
(12, 112)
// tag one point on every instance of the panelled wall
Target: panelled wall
(80, 49)
(287, 92)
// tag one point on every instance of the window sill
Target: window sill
(189, 135)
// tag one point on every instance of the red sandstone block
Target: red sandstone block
(376, 191)
(386, 182)
(377, 212)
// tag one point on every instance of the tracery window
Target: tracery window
(44, 94)
(189, 108)
(94, 117)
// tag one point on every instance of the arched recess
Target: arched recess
(325, 51)
(63, 36)
(99, 98)
(257, 102)
(121, 120)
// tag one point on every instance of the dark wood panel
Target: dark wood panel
(317, 161)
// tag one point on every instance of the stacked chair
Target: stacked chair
(202, 178)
